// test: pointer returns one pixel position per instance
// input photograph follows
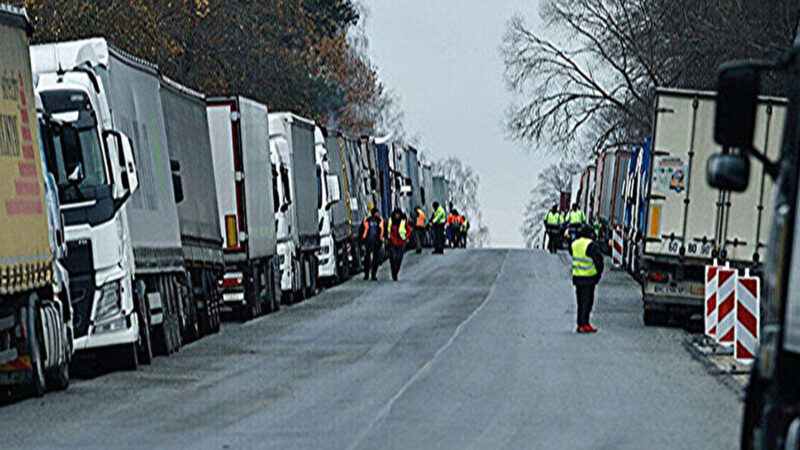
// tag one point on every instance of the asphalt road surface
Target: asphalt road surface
(472, 350)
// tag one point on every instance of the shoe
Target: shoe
(589, 329)
(366, 277)
(579, 329)
(374, 278)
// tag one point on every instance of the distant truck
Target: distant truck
(125, 256)
(609, 203)
(243, 174)
(36, 335)
(688, 224)
(440, 190)
(336, 267)
(192, 166)
(292, 139)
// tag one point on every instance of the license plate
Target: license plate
(697, 289)
(662, 289)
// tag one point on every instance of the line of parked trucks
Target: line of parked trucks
(137, 212)
(654, 196)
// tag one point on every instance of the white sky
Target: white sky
(442, 57)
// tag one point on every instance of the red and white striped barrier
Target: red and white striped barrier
(710, 307)
(726, 306)
(617, 248)
(747, 318)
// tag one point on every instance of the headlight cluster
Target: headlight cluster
(110, 302)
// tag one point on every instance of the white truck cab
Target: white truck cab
(282, 194)
(327, 253)
(96, 174)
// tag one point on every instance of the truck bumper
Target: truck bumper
(285, 255)
(127, 335)
(673, 294)
(327, 257)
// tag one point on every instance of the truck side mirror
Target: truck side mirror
(116, 163)
(130, 178)
(177, 182)
(728, 172)
(737, 101)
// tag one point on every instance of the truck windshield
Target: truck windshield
(73, 151)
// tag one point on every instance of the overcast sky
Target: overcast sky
(442, 58)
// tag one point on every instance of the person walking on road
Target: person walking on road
(399, 233)
(552, 224)
(587, 268)
(464, 231)
(437, 223)
(419, 228)
(576, 219)
(372, 236)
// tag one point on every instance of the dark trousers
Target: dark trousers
(372, 259)
(438, 238)
(395, 260)
(419, 236)
(585, 296)
(552, 241)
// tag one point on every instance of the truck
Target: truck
(127, 278)
(440, 189)
(586, 191)
(412, 170)
(610, 206)
(330, 188)
(292, 140)
(385, 178)
(341, 214)
(192, 165)
(36, 334)
(636, 199)
(357, 188)
(243, 176)
(688, 224)
(771, 416)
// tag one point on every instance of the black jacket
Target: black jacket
(593, 251)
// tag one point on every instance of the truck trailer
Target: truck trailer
(292, 138)
(36, 334)
(125, 257)
(688, 223)
(192, 167)
(239, 133)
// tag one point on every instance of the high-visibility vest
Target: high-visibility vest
(553, 218)
(576, 217)
(440, 216)
(420, 218)
(582, 264)
(401, 229)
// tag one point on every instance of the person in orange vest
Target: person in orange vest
(452, 225)
(372, 236)
(419, 228)
(399, 234)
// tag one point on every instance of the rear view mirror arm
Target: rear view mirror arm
(770, 167)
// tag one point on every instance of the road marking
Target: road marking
(387, 408)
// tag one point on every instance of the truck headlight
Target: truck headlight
(109, 304)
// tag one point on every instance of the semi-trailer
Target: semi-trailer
(687, 223)
(292, 138)
(125, 257)
(440, 188)
(341, 215)
(329, 187)
(240, 142)
(192, 165)
(36, 335)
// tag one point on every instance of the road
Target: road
(472, 350)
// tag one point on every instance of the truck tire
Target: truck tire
(300, 281)
(145, 340)
(38, 384)
(308, 278)
(124, 357)
(58, 377)
(216, 303)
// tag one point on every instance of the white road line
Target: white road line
(387, 408)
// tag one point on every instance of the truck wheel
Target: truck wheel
(653, 317)
(125, 357)
(38, 384)
(145, 341)
(58, 378)
(300, 279)
(275, 288)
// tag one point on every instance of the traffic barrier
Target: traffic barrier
(710, 316)
(726, 306)
(747, 318)
(616, 249)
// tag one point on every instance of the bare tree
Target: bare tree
(593, 87)
(553, 180)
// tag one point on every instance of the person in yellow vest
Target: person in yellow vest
(437, 223)
(552, 225)
(587, 268)
(575, 221)
(420, 228)
(399, 234)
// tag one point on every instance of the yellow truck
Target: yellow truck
(35, 335)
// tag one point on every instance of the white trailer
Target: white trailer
(687, 222)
